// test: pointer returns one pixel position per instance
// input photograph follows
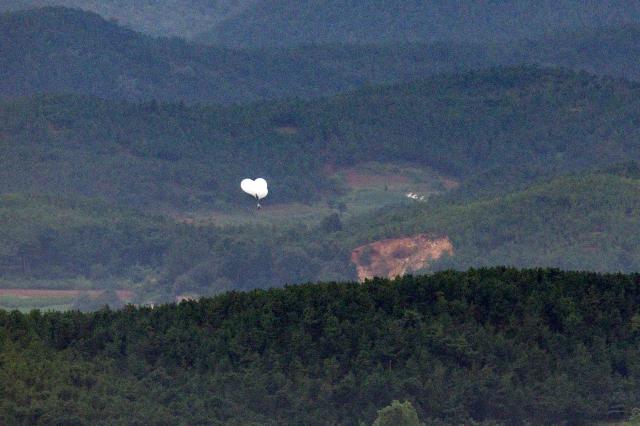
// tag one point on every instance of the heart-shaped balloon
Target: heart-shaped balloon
(256, 188)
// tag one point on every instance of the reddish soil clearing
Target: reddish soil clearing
(449, 183)
(356, 179)
(123, 295)
(399, 256)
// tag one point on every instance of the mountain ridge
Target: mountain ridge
(55, 50)
(290, 22)
(177, 18)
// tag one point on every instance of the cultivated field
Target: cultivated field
(45, 299)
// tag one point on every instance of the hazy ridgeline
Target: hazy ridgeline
(254, 23)
(62, 50)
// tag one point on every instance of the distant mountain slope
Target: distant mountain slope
(254, 23)
(291, 22)
(604, 51)
(63, 50)
(158, 155)
(182, 18)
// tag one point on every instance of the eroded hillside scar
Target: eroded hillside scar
(399, 256)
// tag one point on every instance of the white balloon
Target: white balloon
(261, 188)
(257, 189)
(247, 186)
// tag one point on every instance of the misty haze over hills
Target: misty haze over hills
(181, 18)
(252, 23)
(290, 22)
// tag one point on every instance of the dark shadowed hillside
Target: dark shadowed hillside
(254, 23)
(604, 51)
(62, 50)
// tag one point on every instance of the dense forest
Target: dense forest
(49, 238)
(490, 345)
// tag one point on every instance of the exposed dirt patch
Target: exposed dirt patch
(399, 256)
(359, 179)
(449, 183)
(286, 130)
(123, 295)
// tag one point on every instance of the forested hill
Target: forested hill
(494, 345)
(586, 221)
(290, 22)
(64, 50)
(604, 50)
(168, 155)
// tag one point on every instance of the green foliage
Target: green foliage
(67, 243)
(634, 420)
(491, 345)
(108, 298)
(397, 414)
(54, 237)
(583, 221)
